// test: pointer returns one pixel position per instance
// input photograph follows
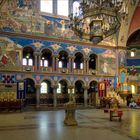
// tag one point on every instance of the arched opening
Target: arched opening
(133, 59)
(62, 92)
(76, 10)
(63, 59)
(78, 61)
(92, 62)
(79, 92)
(46, 93)
(46, 58)
(92, 92)
(30, 92)
(28, 56)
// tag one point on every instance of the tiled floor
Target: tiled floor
(93, 124)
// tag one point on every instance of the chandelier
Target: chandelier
(98, 19)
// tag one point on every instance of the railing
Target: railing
(92, 72)
(28, 68)
(63, 70)
(45, 69)
(78, 71)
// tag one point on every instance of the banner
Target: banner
(102, 89)
(21, 89)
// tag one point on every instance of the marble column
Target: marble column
(38, 96)
(54, 96)
(35, 63)
(84, 66)
(85, 95)
(55, 7)
(39, 58)
(72, 64)
(87, 69)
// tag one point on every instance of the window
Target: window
(46, 6)
(76, 5)
(30, 62)
(24, 61)
(132, 53)
(44, 88)
(74, 65)
(41, 62)
(133, 90)
(59, 88)
(60, 64)
(44, 63)
(81, 66)
(63, 7)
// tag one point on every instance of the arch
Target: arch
(47, 86)
(29, 77)
(80, 79)
(81, 52)
(29, 46)
(91, 81)
(48, 79)
(42, 49)
(134, 38)
(63, 79)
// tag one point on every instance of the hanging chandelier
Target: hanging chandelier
(97, 19)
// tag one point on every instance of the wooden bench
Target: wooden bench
(116, 113)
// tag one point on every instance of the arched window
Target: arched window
(74, 65)
(63, 7)
(46, 6)
(59, 88)
(44, 88)
(81, 66)
(44, 63)
(24, 61)
(60, 64)
(76, 5)
(133, 89)
(30, 62)
(132, 53)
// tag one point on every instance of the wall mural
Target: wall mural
(122, 58)
(23, 16)
(11, 59)
(107, 62)
(9, 56)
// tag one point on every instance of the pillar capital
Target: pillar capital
(37, 53)
(37, 86)
(86, 87)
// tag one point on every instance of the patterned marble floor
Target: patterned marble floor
(48, 125)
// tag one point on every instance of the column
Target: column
(39, 58)
(72, 63)
(84, 65)
(70, 6)
(38, 96)
(69, 65)
(54, 95)
(85, 95)
(55, 7)
(35, 63)
(56, 64)
(53, 63)
(87, 62)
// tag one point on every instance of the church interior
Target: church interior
(55, 51)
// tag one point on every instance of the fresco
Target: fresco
(107, 62)
(9, 56)
(23, 16)
(122, 58)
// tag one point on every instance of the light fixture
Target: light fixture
(98, 19)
